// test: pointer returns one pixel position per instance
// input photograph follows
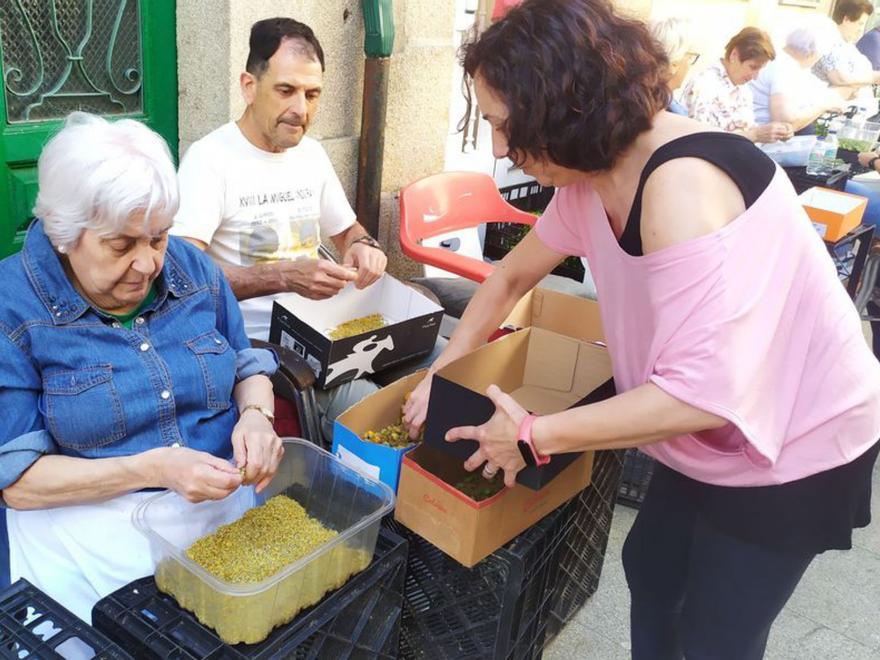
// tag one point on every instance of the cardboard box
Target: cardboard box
(467, 530)
(558, 312)
(544, 371)
(303, 325)
(833, 213)
(375, 412)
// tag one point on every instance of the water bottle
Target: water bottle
(816, 160)
(830, 153)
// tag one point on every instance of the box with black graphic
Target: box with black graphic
(405, 324)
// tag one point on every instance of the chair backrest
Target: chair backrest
(442, 203)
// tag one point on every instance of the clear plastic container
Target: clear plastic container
(340, 498)
(857, 135)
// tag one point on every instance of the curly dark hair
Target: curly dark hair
(579, 81)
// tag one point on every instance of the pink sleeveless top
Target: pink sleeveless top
(749, 323)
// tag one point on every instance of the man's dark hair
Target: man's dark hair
(852, 10)
(267, 35)
(579, 81)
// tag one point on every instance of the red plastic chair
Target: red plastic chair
(442, 203)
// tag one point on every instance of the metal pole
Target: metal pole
(372, 144)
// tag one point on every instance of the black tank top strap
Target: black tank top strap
(749, 168)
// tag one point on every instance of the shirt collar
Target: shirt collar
(57, 293)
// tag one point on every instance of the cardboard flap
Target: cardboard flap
(551, 361)
(501, 362)
(558, 312)
(381, 408)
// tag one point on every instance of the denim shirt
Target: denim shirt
(73, 381)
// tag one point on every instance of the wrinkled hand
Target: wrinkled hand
(774, 131)
(415, 410)
(497, 437)
(865, 157)
(195, 475)
(317, 279)
(369, 262)
(256, 448)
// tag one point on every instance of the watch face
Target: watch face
(526, 452)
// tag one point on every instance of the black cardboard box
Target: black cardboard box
(302, 325)
(544, 371)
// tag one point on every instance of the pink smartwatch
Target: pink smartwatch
(526, 446)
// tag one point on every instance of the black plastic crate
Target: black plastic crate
(500, 608)
(531, 196)
(637, 470)
(501, 237)
(586, 527)
(32, 625)
(803, 181)
(359, 620)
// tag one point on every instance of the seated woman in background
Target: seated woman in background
(719, 96)
(785, 90)
(674, 36)
(124, 366)
(844, 66)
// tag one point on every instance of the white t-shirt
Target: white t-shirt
(252, 206)
(784, 75)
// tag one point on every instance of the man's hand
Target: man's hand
(369, 261)
(866, 157)
(316, 279)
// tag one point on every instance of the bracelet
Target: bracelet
(873, 162)
(366, 239)
(263, 410)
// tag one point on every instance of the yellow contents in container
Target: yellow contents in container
(357, 326)
(259, 545)
(393, 435)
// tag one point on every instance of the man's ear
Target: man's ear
(248, 84)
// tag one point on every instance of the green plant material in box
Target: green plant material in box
(357, 326)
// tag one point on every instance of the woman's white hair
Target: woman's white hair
(674, 35)
(814, 35)
(95, 174)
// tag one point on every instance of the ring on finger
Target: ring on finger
(489, 470)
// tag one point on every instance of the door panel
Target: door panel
(116, 58)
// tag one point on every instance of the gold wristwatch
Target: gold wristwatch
(263, 410)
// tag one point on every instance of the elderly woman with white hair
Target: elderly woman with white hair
(785, 90)
(124, 367)
(674, 36)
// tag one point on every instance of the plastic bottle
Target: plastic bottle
(830, 153)
(816, 160)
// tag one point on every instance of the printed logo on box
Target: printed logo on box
(361, 359)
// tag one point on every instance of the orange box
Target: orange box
(466, 530)
(833, 213)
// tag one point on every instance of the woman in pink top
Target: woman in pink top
(738, 358)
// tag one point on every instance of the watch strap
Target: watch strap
(366, 239)
(263, 410)
(525, 435)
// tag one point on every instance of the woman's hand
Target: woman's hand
(415, 410)
(195, 475)
(497, 437)
(773, 132)
(256, 448)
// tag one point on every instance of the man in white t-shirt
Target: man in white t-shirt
(259, 196)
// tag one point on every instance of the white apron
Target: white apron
(79, 554)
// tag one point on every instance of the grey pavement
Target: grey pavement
(833, 615)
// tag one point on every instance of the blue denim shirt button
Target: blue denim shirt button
(116, 324)
(139, 320)
(175, 444)
(145, 346)
(165, 394)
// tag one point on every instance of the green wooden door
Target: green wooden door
(110, 57)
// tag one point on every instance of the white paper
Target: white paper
(355, 462)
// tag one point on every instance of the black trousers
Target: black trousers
(698, 593)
